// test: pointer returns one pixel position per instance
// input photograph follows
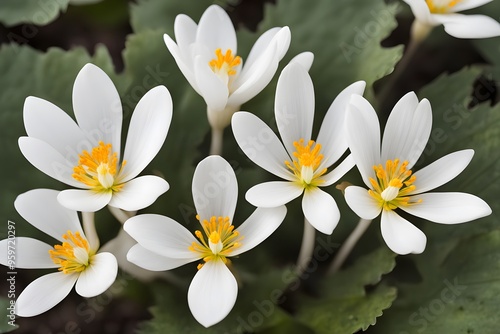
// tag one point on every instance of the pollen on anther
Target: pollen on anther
(393, 184)
(225, 62)
(221, 239)
(306, 162)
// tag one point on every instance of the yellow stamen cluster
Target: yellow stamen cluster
(393, 184)
(225, 62)
(306, 163)
(74, 255)
(441, 6)
(98, 168)
(221, 239)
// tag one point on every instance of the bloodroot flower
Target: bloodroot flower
(302, 162)
(164, 244)
(75, 256)
(86, 154)
(387, 172)
(430, 13)
(207, 55)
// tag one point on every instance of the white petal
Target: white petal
(44, 293)
(449, 207)
(254, 79)
(97, 106)
(84, 200)
(212, 293)
(256, 75)
(185, 35)
(216, 30)
(441, 171)
(185, 65)
(28, 253)
(469, 26)
(259, 226)
(346, 165)
(282, 40)
(98, 276)
(48, 160)
(215, 189)
(149, 260)
(407, 130)
(147, 132)
(332, 135)
(468, 4)
(139, 193)
(420, 10)
(305, 59)
(161, 235)
(47, 122)
(213, 90)
(260, 144)
(363, 136)
(361, 202)
(273, 194)
(119, 247)
(294, 105)
(42, 210)
(259, 48)
(400, 235)
(321, 210)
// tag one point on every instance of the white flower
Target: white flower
(207, 56)
(386, 170)
(430, 13)
(164, 244)
(302, 162)
(86, 154)
(76, 257)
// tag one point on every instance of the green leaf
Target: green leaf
(160, 14)
(346, 305)
(49, 76)
(457, 127)
(461, 297)
(345, 38)
(255, 309)
(31, 12)
(460, 254)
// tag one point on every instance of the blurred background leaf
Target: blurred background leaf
(38, 12)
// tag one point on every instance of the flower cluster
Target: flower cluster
(86, 154)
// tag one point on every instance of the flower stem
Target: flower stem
(418, 33)
(216, 143)
(88, 223)
(348, 245)
(120, 214)
(307, 246)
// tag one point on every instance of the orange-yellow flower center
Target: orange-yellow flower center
(441, 6)
(224, 65)
(307, 159)
(393, 184)
(97, 169)
(74, 255)
(221, 239)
